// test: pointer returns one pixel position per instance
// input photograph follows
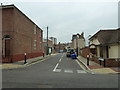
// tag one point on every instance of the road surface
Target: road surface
(57, 71)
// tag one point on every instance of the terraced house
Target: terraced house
(20, 35)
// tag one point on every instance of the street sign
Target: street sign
(101, 59)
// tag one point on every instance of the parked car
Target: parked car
(69, 52)
(61, 51)
(74, 56)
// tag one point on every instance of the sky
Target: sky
(65, 18)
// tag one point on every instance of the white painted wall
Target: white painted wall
(81, 43)
(98, 51)
(119, 51)
(113, 51)
(74, 43)
(104, 52)
(94, 41)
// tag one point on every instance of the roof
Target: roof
(13, 6)
(107, 36)
(76, 36)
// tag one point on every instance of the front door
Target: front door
(6, 49)
(101, 51)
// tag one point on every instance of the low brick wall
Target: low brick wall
(112, 63)
(20, 57)
(108, 62)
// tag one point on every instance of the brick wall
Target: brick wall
(19, 57)
(108, 63)
(85, 51)
(21, 30)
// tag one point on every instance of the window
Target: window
(35, 44)
(35, 32)
(40, 44)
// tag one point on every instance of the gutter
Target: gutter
(87, 68)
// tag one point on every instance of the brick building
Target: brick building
(50, 46)
(20, 35)
(61, 47)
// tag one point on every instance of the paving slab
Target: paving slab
(9, 66)
(96, 68)
(20, 64)
(103, 71)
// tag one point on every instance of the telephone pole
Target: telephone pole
(47, 41)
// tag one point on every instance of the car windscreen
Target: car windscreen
(70, 50)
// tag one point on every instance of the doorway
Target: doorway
(6, 47)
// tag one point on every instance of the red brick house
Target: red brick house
(19, 35)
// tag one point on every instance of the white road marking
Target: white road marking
(81, 71)
(56, 67)
(93, 73)
(57, 70)
(60, 60)
(68, 71)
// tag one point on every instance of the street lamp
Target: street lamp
(47, 40)
(77, 49)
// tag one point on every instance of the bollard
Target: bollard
(25, 58)
(88, 61)
(104, 62)
(43, 54)
(100, 62)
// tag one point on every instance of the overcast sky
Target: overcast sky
(67, 18)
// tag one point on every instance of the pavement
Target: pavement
(20, 64)
(93, 67)
(96, 68)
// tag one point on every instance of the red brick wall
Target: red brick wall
(85, 52)
(7, 19)
(21, 30)
(24, 28)
(108, 63)
(112, 63)
(19, 57)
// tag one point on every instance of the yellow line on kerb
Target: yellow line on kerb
(36, 62)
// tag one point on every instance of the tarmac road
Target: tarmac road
(56, 71)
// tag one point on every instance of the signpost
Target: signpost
(101, 59)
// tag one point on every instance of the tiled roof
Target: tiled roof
(107, 36)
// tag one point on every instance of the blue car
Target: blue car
(74, 56)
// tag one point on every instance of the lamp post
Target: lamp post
(47, 40)
(77, 49)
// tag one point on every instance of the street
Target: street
(56, 71)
